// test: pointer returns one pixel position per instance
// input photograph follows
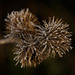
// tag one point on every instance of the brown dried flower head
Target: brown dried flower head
(54, 38)
(19, 27)
(35, 42)
(19, 21)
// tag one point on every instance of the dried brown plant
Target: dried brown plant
(54, 37)
(35, 42)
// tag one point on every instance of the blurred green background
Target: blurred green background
(42, 9)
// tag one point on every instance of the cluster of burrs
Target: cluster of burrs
(35, 42)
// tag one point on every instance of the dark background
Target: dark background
(42, 9)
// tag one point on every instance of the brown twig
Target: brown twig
(8, 40)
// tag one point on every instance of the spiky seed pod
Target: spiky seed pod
(54, 38)
(22, 31)
(27, 52)
(19, 21)
(36, 43)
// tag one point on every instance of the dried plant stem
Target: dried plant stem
(8, 40)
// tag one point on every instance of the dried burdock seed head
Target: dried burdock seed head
(27, 51)
(54, 38)
(20, 28)
(35, 42)
(18, 22)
